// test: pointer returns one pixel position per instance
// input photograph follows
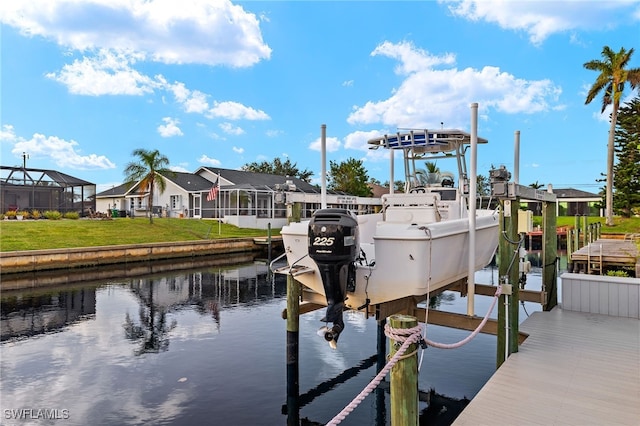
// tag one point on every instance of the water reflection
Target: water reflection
(24, 316)
(206, 345)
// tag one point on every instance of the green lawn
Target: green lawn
(51, 234)
(620, 225)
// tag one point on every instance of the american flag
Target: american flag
(213, 192)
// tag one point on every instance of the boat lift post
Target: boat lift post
(509, 194)
(472, 210)
(323, 174)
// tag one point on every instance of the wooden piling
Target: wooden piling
(381, 361)
(293, 336)
(293, 339)
(404, 377)
(506, 251)
(549, 256)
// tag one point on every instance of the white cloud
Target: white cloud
(333, 144)
(7, 133)
(230, 129)
(204, 159)
(191, 100)
(274, 133)
(63, 153)
(195, 31)
(170, 128)
(106, 73)
(238, 150)
(235, 111)
(450, 92)
(541, 19)
(179, 168)
(358, 140)
(411, 58)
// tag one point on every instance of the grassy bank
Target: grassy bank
(620, 225)
(52, 234)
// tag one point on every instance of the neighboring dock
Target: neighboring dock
(575, 368)
(603, 254)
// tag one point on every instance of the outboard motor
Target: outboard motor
(334, 246)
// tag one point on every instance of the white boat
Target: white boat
(418, 243)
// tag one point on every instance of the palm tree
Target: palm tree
(612, 79)
(148, 171)
(430, 175)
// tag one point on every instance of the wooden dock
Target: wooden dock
(575, 368)
(605, 253)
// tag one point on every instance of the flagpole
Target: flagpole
(218, 200)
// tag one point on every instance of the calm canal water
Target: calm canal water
(207, 347)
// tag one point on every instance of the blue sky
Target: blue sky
(223, 84)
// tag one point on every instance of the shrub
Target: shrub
(24, 213)
(35, 214)
(11, 214)
(71, 215)
(53, 215)
(617, 273)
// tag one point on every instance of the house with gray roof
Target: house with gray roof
(570, 202)
(244, 199)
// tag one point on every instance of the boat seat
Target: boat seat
(411, 208)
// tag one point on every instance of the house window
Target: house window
(174, 200)
(139, 202)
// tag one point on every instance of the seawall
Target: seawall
(57, 259)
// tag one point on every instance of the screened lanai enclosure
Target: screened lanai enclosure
(39, 189)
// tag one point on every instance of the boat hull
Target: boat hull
(400, 259)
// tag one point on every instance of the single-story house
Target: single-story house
(244, 199)
(570, 202)
(23, 188)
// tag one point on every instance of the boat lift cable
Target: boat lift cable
(427, 231)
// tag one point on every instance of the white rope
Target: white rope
(474, 333)
(408, 336)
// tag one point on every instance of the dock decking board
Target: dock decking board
(613, 251)
(575, 368)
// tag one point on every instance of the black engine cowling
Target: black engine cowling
(334, 246)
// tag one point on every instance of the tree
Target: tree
(483, 187)
(430, 175)
(349, 177)
(277, 167)
(148, 171)
(398, 185)
(626, 176)
(612, 78)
